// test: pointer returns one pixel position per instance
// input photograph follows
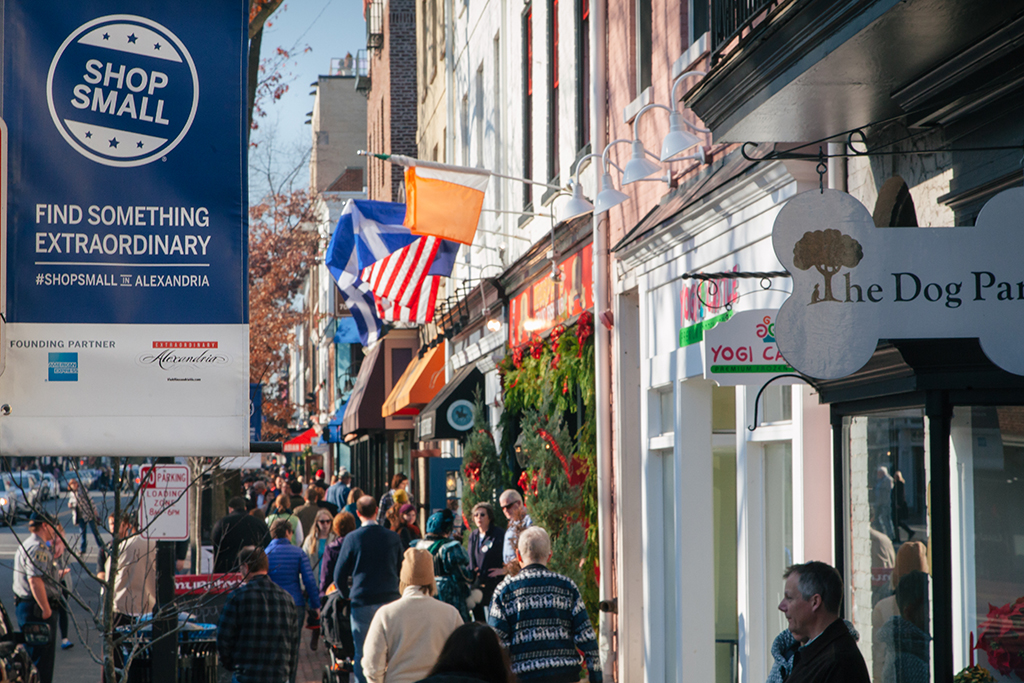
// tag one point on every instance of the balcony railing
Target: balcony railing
(375, 24)
(731, 19)
(362, 72)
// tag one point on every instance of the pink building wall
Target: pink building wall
(670, 29)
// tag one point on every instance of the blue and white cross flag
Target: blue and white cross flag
(125, 287)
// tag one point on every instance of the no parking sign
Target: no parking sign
(164, 502)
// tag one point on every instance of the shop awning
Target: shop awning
(304, 439)
(418, 385)
(363, 412)
(333, 431)
(450, 414)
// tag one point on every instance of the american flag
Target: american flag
(384, 272)
(402, 284)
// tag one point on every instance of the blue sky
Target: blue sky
(330, 28)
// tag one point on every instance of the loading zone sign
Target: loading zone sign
(164, 502)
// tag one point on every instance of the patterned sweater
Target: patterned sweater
(540, 618)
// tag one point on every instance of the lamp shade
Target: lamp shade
(639, 166)
(576, 206)
(678, 140)
(608, 196)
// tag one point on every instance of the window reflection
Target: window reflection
(904, 636)
(888, 483)
(996, 456)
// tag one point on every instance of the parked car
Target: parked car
(84, 475)
(28, 485)
(64, 479)
(8, 505)
(15, 499)
(47, 484)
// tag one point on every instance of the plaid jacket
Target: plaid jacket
(258, 634)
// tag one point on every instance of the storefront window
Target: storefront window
(726, 626)
(778, 404)
(778, 527)
(988, 447)
(888, 589)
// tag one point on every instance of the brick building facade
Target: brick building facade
(391, 107)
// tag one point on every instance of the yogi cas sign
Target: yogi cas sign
(125, 287)
(854, 284)
(742, 350)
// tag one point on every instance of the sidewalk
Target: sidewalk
(311, 664)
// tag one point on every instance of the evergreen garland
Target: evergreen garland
(551, 484)
(544, 381)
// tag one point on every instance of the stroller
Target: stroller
(336, 631)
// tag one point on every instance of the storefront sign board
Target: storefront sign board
(125, 281)
(854, 284)
(546, 303)
(742, 351)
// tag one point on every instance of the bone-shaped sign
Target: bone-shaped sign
(854, 284)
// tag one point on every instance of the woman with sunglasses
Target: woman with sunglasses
(320, 535)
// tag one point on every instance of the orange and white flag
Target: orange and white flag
(444, 201)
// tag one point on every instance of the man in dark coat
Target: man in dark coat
(811, 602)
(234, 531)
(371, 556)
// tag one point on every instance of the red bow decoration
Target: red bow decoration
(1002, 638)
(577, 472)
(584, 330)
(473, 474)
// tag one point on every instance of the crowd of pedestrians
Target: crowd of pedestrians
(396, 605)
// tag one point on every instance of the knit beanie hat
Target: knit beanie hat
(408, 507)
(417, 568)
(441, 522)
(401, 497)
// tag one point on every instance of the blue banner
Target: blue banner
(255, 411)
(127, 158)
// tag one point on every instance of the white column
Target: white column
(651, 524)
(965, 610)
(743, 539)
(628, 489)
(694, 554)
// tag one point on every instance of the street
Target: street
(77, 663)
(81, 663)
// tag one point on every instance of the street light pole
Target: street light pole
(164, 644)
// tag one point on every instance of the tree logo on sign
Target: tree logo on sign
(827, 251)
(122, 90)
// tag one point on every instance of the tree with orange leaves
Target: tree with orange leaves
(259, 13)
(283, 245)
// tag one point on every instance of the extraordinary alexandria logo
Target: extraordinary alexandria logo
(122, 90)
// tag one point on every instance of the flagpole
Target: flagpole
(517, 213)
(410, 162)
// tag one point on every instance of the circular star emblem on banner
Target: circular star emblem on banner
(122, 90)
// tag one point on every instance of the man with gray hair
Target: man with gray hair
(829, 653)
(541, 620)
(518, 520)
